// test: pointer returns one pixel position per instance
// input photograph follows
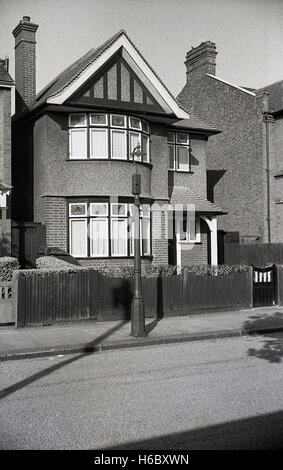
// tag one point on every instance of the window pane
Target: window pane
(99, 237)
(135, 123)
(145, 126)
(119, 210)
(170, 137)
(135, 141)
(78, 237)
(146, 236)
(98, 119)
(98, 143)
(171, 157)
(182, 138)
(145, 210)
(77, 120)
(145, 148)
(99, 208)
(119, 237)
(78, 146)
(118, 120)
(77, 210)
(194, 231)
(119, 144)
(183, 158)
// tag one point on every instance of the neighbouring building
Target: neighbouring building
(6, 85)
(244, 161)
(78, 142)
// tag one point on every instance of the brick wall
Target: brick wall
(159, 234)
(234, 157)
(56, 222)
(198, 253)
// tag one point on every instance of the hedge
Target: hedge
(7, 266)
(53, 263)
(221, 270)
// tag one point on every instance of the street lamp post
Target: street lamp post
(137, 310)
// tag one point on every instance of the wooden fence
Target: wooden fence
(46, 298)
(260, 254)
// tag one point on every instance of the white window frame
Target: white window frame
(182, 143)
(197, 238)
(120, 130)
(115, 126)
(135, 128)
(77, 204)
(100, 219)
(72, 131)
(105, 204)
(124, 204)
(77, 125)
(147, 148)
(123, 219)
(188, 238)
(92, 130)
(83, 219)
(177, 158)
(96, 124)
(137, 133)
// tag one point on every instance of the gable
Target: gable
(116, 85)
(98, 59)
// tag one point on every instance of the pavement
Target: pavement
(92, 336)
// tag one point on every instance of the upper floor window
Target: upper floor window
(179, 151)
(104, 136)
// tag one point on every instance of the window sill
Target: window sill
(148, 164)
(110, 257)
(181, 171)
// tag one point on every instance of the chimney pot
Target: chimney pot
(200, 60)
(26, 18)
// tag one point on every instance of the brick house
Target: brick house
(78, 143)
(244, 164)
(6, 84)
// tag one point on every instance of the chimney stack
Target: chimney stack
(25, 64)
(200, 60)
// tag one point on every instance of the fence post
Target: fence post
(251, 285)
(278, 273)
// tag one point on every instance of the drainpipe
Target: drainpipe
(266, 120)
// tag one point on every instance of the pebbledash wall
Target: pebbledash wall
(235, 157)
(56, 179)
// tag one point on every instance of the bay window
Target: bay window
(107, 136)
(103, 229)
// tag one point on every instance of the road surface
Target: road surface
(222, 394)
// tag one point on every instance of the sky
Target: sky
(248, 34)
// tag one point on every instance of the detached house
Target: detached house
(78, 143)
(6, 84)
(244, 162)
